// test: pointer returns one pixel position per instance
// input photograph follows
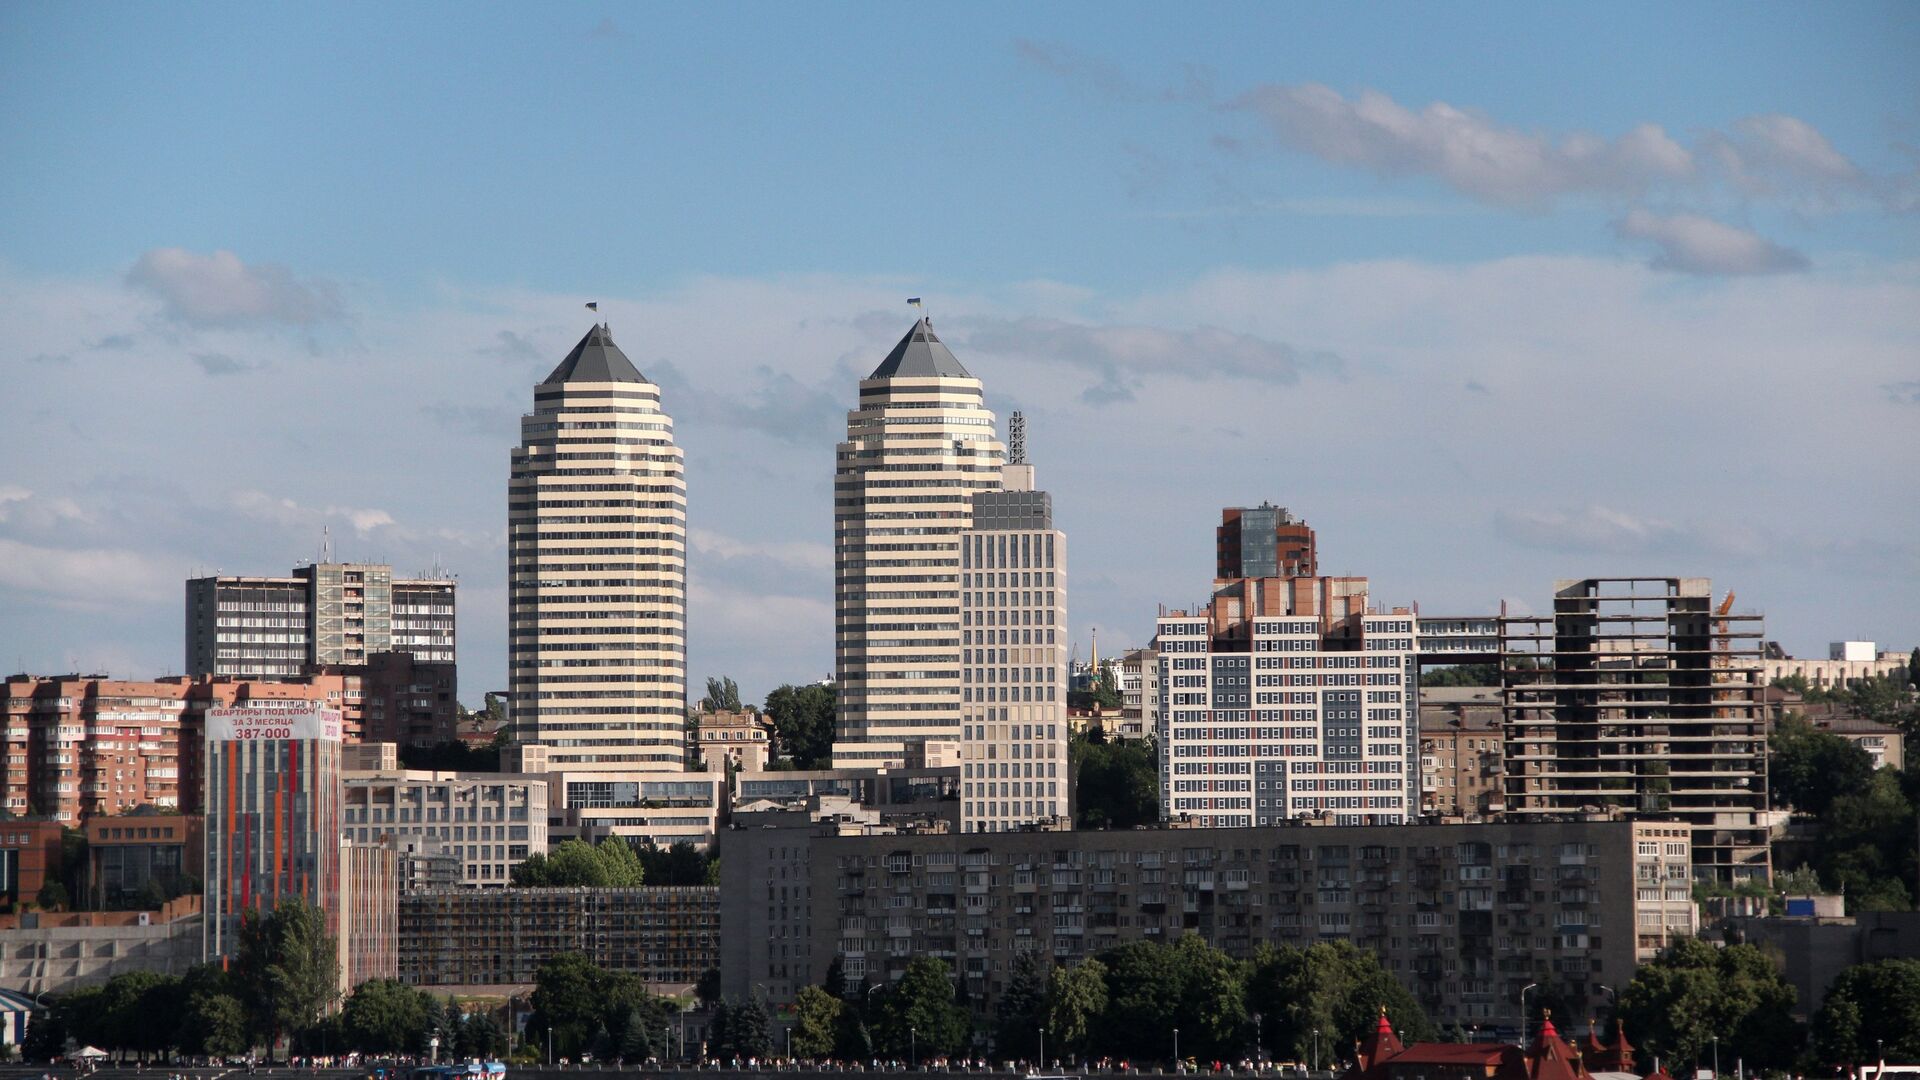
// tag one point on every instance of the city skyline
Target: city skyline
(1274, 279)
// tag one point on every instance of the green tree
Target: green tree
(566, 1001)
(836, 981)
(287, 969)
(919, 1014)
(52, 897)
(803, 723)
(1868, 1007)
(1020, 1011)
(386, 1016)
(817, 1021)
(1808, 769)
(1076, 997)
(144, 1011)
(1913, 669)
(1693, 991)
(636, 1041)
(1142, 997)
(723, 695)
(481, 1038)
(1866, 846)
(707, 989)
(1462, 675)
(854, 1041)
(740, 1029)
(679, 864)
(1117, 783)
(611, 863)
(46, 1036)
(1329, 987)
(1213, 1000)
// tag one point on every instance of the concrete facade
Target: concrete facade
(487, 822)
(597, 569)
(54, 953)
(919, 445)
(1812, 952)
(1640, 694)
(1464, 915)
(1013, 656)
(323, 614)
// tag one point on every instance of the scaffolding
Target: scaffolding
(1637, 694)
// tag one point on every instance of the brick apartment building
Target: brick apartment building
(82, 746)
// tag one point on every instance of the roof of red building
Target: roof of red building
(1553, 1059)
(1383, 1043)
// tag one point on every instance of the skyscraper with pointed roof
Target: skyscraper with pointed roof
(919, 445)
(597, 568)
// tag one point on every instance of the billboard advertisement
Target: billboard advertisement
(249, 723)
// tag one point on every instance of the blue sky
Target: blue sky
(1491, 295)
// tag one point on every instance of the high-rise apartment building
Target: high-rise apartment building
(597, 574)
(273, 815)
(1303, 717)
(331, 614)
(1261, 542)
(920, 445)
(1013, 655)
(1639, 693)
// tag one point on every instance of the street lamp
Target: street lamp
(1176, 1050)
(1523, 1014)
(1258, 1053)
(1716, 1057)
(913, 1048)
(1043, 1048)
(1316, 1049)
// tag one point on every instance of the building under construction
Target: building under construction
(1639, 693)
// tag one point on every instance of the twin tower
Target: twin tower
(950, 634)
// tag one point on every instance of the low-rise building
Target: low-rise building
(1847, 663)
(644, 808)
(1813, 948)
(129, 858)
(29, 853)
(922, 797)
(739, 739)
(1464, 915)
(499, 937)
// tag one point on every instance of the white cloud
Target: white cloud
(1693, 244)
(287, 512)
(1469, 151)
(1765, 152)
(221, 290)
(1124, 356)
(794, 553)
(84, 576)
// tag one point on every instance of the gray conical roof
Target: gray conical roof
(922, 354)
(596, 359)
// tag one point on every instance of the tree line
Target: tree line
(1130, 1002)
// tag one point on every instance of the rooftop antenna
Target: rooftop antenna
(326, 544)
(1017, 438)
